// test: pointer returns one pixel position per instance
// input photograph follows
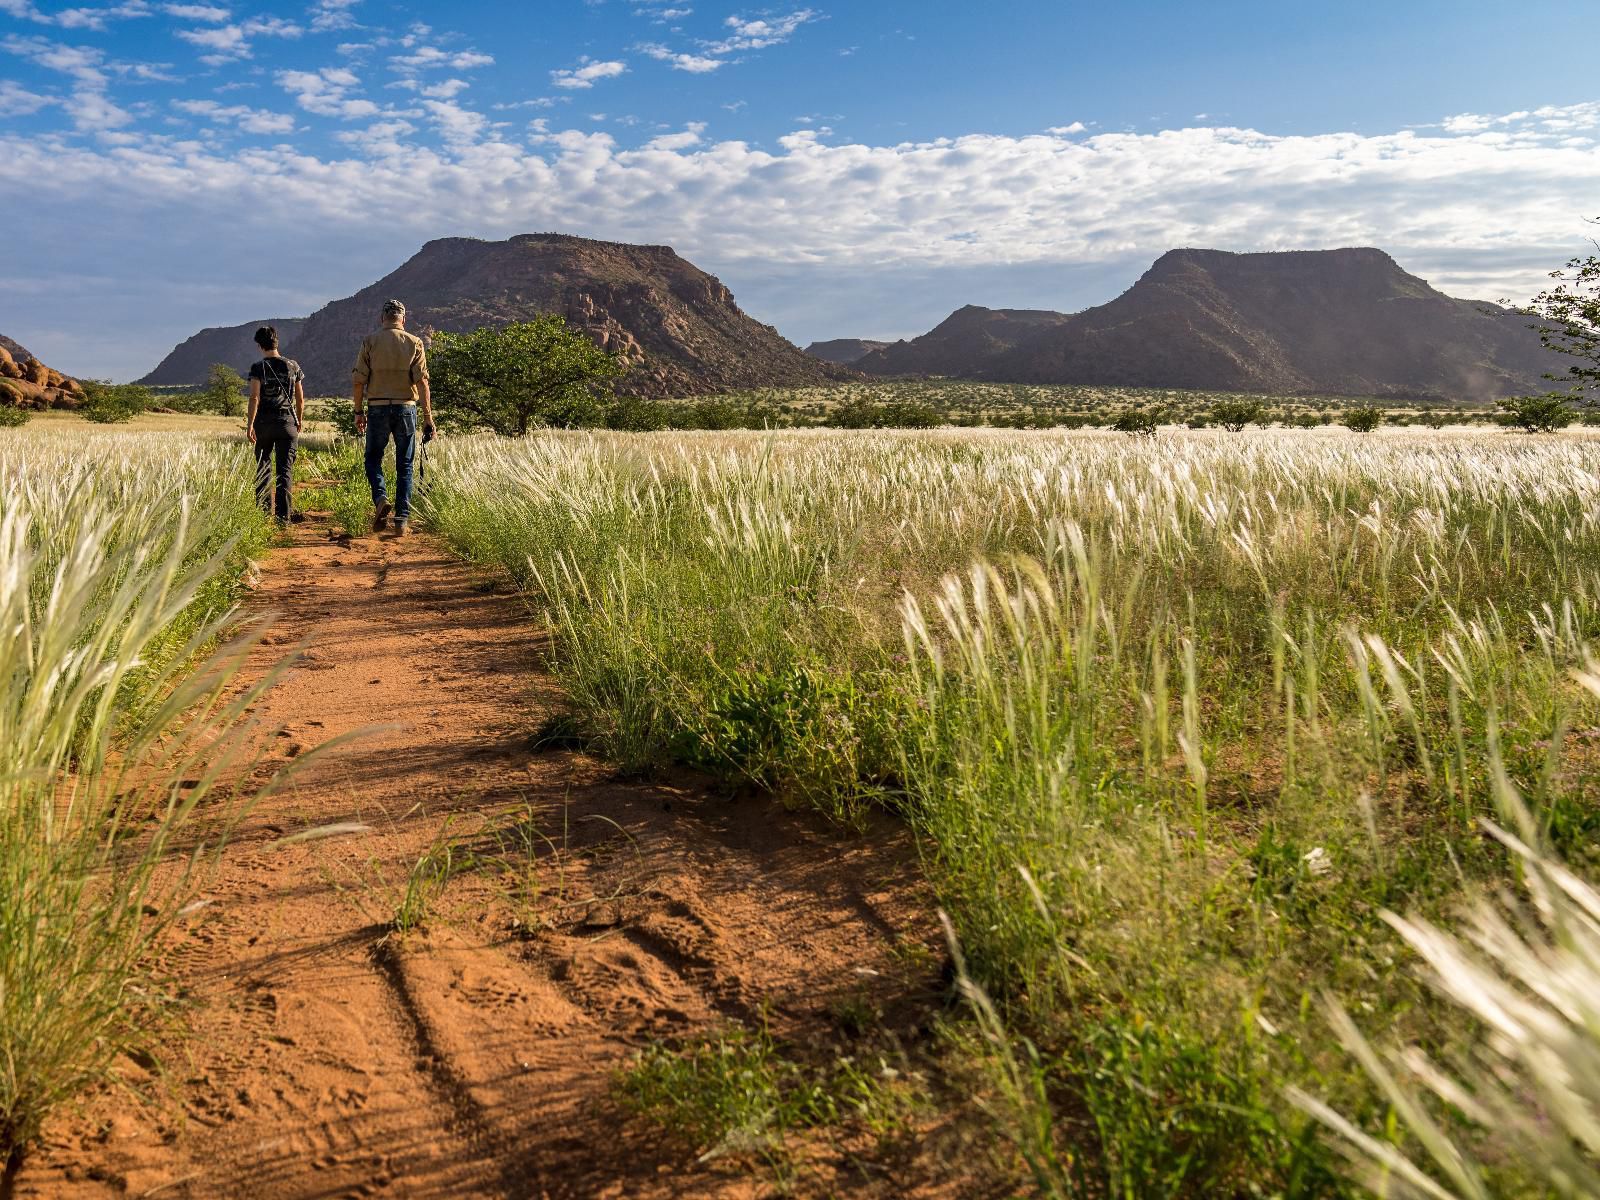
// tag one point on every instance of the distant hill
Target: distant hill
(964, 344)
(191, 359)
(677, 326)
(843, 350)
(1331, 322)
(16, 350)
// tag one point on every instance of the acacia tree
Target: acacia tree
(519, 377)
(1567, 317)
(224, 392)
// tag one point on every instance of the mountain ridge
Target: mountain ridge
(1349, 321)
(676, 326)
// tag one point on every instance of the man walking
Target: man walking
(391, 374)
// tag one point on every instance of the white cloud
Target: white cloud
(759, 33)
(1479, 213)
(332, 14)
(326, 92)
(696, 64)
(678, 141)
(427, 57)
(250, 120)
(226, 43)
(446, 89)
(584, 75)
(1065, 130)
(17, 101)
(196, 12)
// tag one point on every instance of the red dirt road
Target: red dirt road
(582, 916)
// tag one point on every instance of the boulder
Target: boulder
(36, 373)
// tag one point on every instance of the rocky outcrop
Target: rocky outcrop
(677, 327)
(28, 383)
(843, 351)
(1332, 322)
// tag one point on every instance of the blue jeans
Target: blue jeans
(400, 422)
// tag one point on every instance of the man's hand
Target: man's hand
(428, 432)
(361, 421)
(250, 434)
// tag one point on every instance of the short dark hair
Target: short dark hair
(267, 337)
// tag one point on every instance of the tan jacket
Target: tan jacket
(392, 363)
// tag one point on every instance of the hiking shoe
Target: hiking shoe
(380, 519)
(296, 517)
(402, 529)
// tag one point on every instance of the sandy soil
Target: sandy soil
(581, 917)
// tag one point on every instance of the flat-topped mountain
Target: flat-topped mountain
(964, 344)
(230, 344)
(843, 350)
(1334, 322)
(677, 327)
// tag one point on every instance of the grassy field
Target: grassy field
(1177, 718)
(120, 554)
(1179, 721)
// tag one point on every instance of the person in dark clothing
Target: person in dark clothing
(277, 410)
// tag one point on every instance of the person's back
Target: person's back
(390, 377)
(394, 362)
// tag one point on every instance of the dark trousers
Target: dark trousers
(398, 421)
(275, 447)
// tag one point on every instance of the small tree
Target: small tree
(111, 403)
(520, 376)
(224, 391)
(1234, 415)
(1539, 414)
(1138, 422)
(1364, 419)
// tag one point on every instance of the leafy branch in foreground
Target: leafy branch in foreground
(1567, 318)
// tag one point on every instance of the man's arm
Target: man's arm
(300, 403)
(425, 394)
(362, 374)
(255, 403)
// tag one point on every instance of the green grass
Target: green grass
(1206, 705)
(119, 560)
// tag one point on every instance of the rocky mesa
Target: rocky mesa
(676, 326)
(1333, 322)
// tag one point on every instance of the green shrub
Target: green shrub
(112, 403)
(1362, 420)
(1234, 415)
(1539, 414)
(224, 393)
(637, 414)
(1137, 421)
(13, 415)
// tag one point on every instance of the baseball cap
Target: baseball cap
(393, 308)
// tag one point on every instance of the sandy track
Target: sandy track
(586, 916)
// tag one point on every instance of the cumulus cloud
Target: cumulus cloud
(584, 75)
(697, 64)
(326, 92)
(225, 43)
(18, 101)
(332, 14)
(250, 120)
(761, 32)
(196, 12)
(1484, 212)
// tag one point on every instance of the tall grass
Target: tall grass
(1178, 719)
(118, 556)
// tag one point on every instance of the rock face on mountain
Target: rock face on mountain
(1332, 322)
(677, 327)
(27, 383)
(191, 359)
(964, 344)
(843, 350)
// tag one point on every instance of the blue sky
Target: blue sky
(849, 169)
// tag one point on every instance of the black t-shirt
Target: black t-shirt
(278, 377)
